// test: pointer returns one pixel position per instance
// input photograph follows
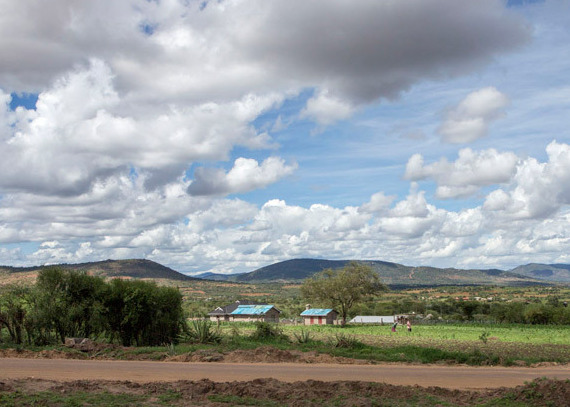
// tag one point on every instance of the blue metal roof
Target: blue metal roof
(319, 312)
(252, 309)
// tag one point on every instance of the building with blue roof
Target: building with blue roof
(249, 313)
(319, 316)
(223, 313)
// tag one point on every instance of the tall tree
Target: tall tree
(343, 288)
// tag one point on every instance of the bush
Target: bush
(303, 336)
(345, 341)
(265, 331)
(73, 304)
(203, 331)
(143, 313)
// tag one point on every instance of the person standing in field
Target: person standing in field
(409, 325)
(394, 326)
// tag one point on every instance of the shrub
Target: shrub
(265, 330)
(203, 331)
(345, 341)
(303, 336)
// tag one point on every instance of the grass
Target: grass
(241, 401)
(80, 398)
(532, 334)
(474, 344)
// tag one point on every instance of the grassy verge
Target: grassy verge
(356, 342)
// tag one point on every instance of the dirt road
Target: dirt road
(460, 377)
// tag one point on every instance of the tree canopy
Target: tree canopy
(73, 304)
(343, 288)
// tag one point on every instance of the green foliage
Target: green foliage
(303, 336)
(268, 331)
(484, 337)
(14, 308)
(203, 331)
(343, 288)
(73, 304)
(341, 340)
(143, 313)
(69, 303)
(69, 399)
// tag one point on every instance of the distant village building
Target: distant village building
(223, 313)
(319, 316)
(382, 319)
(252, 313)
(372, 319)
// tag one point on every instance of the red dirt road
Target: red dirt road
(452, 377)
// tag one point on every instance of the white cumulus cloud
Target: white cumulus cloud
(470, 120)
(246, 175)
(466, 175)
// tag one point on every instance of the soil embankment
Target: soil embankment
(451, 377)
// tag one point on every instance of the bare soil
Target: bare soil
(244, 377)
(264, 354)
(303, 393)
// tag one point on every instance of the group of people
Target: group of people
(408, 325)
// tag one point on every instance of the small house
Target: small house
(223, 313)
(251, 313)
(319, 316)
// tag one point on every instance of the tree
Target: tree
(14, 310)
(343, 288)
(143, 313)
(69, 303)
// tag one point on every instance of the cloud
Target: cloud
(133, 94)
(221, 234)
(537, 190)
(326, 109)
(80, 132)
(115, 97)
(470, 120)
(361, 51)
(465, 176)
(378, 203)
(246, 175)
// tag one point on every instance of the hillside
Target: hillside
(136, 268)
(552, 272)
(393, 274)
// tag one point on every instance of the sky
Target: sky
(228, 135)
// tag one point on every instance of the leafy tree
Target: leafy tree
(343, 288)
(13, 311)
(69, 303)
(468, 308)
(143, 313)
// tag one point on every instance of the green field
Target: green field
(530, 334)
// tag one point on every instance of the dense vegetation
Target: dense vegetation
(70, 304)
(343, 288)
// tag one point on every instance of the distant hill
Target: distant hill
(136, 268)
(393, 274)
(295, 270)
(217, 277)
(559, 273)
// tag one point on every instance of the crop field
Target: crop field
(478, 343)
(521, 333)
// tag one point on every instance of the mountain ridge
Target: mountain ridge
(393, 274)
(132, 268)
(296, 270)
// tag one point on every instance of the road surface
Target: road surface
(453, 377)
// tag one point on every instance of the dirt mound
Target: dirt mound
(264, 354)
(541, 392)
(43, 354)
(309, 393)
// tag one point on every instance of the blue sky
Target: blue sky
(233, 134)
